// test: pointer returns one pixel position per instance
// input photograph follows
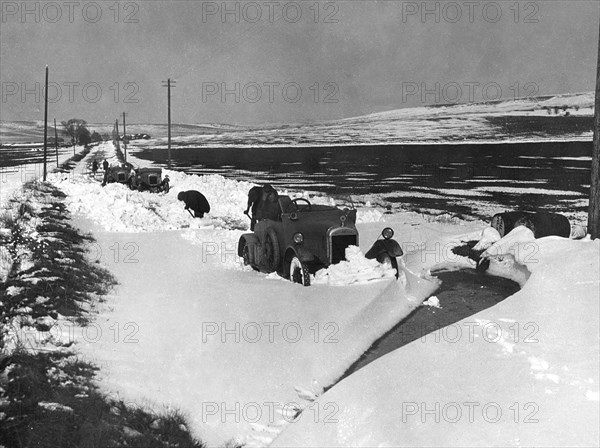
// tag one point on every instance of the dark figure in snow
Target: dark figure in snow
(268, 208)
(94, 167)
(164, 185)
(256, 197)
(194, 200)
(105, 165)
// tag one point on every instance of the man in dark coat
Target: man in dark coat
(105, 165)
(194, 200)
(257, 200)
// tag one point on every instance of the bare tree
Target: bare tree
(75, 128)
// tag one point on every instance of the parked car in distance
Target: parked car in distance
(149, 179)
(306, 237)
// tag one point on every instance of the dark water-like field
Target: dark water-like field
(464, 179)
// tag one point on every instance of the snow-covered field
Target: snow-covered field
(240, 352)
(449, 124)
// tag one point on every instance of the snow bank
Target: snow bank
(117, 208)
(522, 373)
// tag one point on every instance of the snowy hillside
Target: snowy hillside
(561, 117)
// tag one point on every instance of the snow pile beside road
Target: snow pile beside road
(355, 269)
(119, 209)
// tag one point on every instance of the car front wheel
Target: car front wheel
(299, 272)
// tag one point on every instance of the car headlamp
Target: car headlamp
(387, 233)
(298, 238)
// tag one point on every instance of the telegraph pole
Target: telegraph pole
(168, 84)
(56, 142)
(46, 124)
(124, 136)
(117, 129)
(594, 207)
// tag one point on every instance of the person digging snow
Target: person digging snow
(194, 200)
(257, 196)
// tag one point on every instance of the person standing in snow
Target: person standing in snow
(94, 167)
(268, 207)
(255, 198)
(194, 200)
(105, 166)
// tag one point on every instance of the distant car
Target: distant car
(149, 179)
(118, 174)
(307, 237)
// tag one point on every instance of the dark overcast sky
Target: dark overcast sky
(358, 56)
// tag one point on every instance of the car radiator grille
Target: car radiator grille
(339, 245)
(153, 180)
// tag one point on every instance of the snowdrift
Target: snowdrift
(522, 373)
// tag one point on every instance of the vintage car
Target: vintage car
(540, 223)
(307, 237)
(149, 179)
(118, 174)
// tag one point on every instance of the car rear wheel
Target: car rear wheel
(299, 272)
(387, 260)
(272, 253)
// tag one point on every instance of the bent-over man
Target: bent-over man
(194, 200)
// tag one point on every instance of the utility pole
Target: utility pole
(124, 136)
(46, 124)
(118, 136)
(56, 142)
(594, 207)
(168, 84)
